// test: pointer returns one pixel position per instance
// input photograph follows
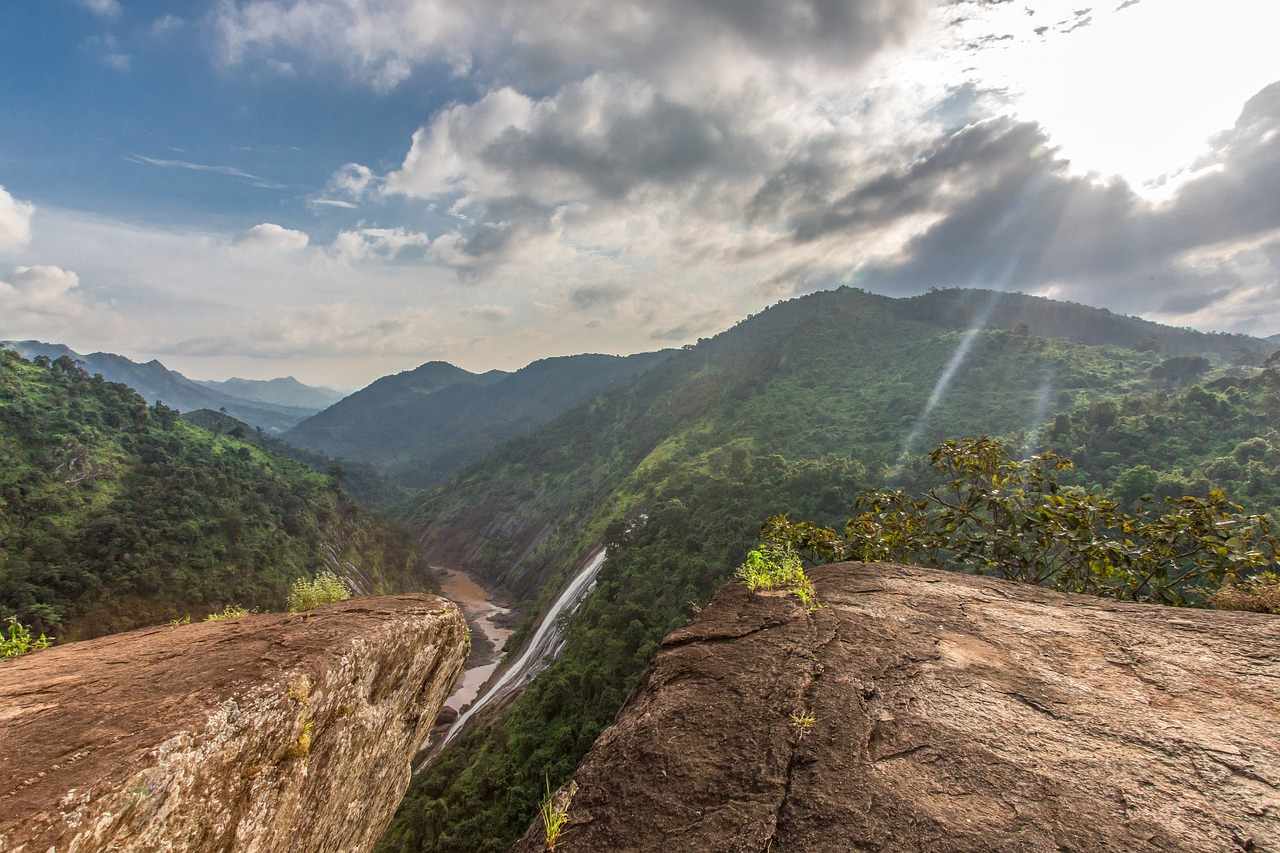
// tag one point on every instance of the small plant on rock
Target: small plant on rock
(231, 611)
(19, 641)
(776, 565)
(325, 588)
(554, 811)
(803, 721)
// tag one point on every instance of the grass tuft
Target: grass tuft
(231, 611)
(1259, 594)
(554, 811)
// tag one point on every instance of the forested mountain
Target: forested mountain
(282, 391)
(796, 410)
(364, 483)
(422, 425)
(963, 308)
(115, 513)
(155, 382)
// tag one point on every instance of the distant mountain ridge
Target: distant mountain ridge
(153, 381)
(281, 391)
(422, 425)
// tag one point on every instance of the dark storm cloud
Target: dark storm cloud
(657, 141)
(597, 296)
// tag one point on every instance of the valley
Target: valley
(576, 546)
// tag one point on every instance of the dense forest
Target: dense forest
(115, 513)
(797, 410)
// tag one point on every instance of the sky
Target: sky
(339, 189)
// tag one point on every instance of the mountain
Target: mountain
(155, 382)
(422, 425)
(115, 514)
(965, 308)
(283, 391)
(364, 483)
(794, 410)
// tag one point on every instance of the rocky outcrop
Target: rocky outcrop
(270, 732)
(921, 710)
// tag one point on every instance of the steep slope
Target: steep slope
(794, 410)
(155, 382)
(282, 391)
(921, 710)
(424, 424)
(366, 485)
(115, 514)
(264, 733)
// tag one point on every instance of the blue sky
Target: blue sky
(337, 189)
(72, 121)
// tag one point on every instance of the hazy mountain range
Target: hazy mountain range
(273, 405)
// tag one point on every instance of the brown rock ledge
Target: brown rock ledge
(950, 713)
(269, 732)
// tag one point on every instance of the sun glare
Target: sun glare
(1131, 89)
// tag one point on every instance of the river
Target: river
(482, 614)
(546, 643)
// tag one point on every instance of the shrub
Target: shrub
(325, 588)
(1014, 519)
(20, 642)
(777, 565)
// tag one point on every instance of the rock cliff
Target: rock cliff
(921, 710)
(270, 732)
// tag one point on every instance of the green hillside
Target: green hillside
(115, 513)
(421, 426)
(794, 411)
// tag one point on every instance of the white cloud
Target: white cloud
(227, 171)
(165, 24)
(15, 221)
(117, 61)
(104, 8)
(353, 181)
(489, 313)
(47, 302)
(332, 202)
(274, 238)
(376, 243)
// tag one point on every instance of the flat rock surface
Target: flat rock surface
(268, 732)
(921, 710)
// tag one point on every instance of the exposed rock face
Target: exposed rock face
(271, 732)
(942, 712)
